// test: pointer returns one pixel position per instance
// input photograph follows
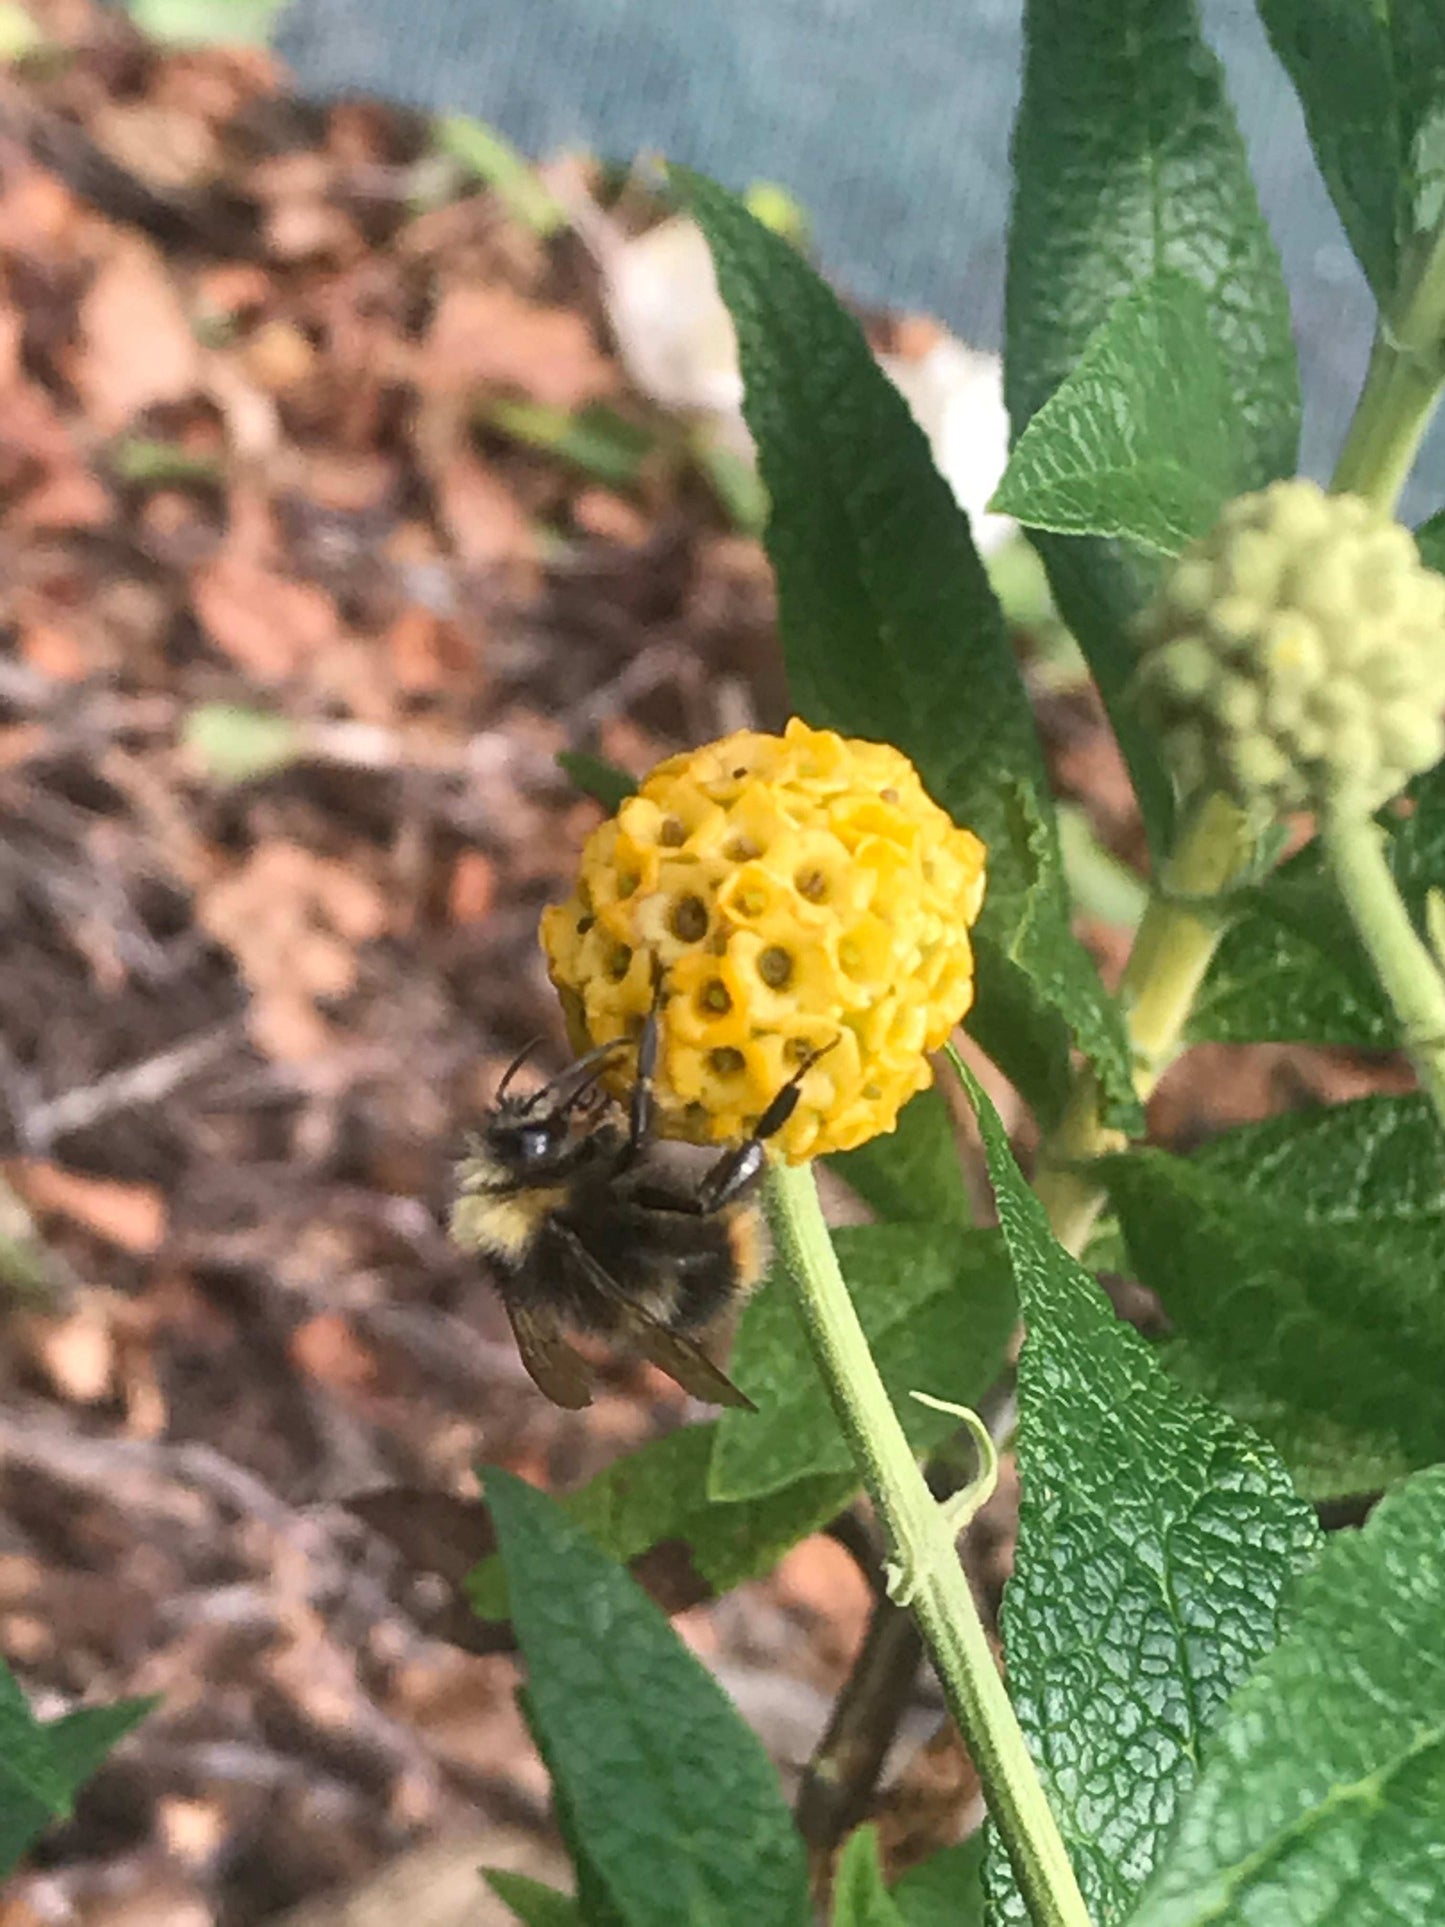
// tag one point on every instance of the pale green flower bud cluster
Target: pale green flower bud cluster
(1295, 656)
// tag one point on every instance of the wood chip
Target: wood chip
(131, 1216)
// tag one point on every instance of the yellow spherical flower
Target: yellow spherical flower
(793, 895)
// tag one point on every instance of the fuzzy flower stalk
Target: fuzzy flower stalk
(800, 902)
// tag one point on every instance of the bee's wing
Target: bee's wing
(552, 1365)
(688, 1363)
(671, 1351)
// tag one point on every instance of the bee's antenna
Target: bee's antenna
(516, 1064)
(586, 1091)
(593, 1064)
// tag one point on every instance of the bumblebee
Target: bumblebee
(590, 1227)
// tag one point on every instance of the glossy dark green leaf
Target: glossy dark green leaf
(912, 1175)
(1371, 80)
(658, 1494)
(1138, 439)
(937, 1306)
(1302, 1258)
(890, 630)
(595, 1901)
(1430, 538)
(532, 1903)
(672, 1796)
(1291, 969)
(1326, 1458)
(598, 778)
(1156, 1540)
(859, 1897)
(1127, 163)
(1321, 1792)
(946, 1890)
(43, 1765)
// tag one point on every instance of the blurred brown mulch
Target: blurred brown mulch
(245, 349)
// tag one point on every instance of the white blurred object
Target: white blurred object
(673, 332)
(677, 341)
(955, 394)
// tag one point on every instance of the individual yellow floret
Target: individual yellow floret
(793, 894)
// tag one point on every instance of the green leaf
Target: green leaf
(732, 477)
(946, 1890)
(1327, 1459)
(1321, 1792)
(207, 23)
(937, 1308)
(1302, 1257)
(494, 160)
(1102, 885)
(859, 1897)
(1137, 440)
(235, 744)
(595, 439)
(1156, 1539)
(594, 1900)
(890, 630)
(1099, 587)
(1430, 540)
(1371, 80)
(597, 778)
(1292, 970)
(42, 1766)
(674, 1799)
(147, 462)
(1127, 163)
(914, 1174)
(532, 1903)
(659, 1493)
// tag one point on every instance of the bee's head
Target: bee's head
(524, 1138)
(527, 1133)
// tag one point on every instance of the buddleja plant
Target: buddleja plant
(1213, 1713)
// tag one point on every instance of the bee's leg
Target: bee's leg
(739, 1169)
(640, 1105)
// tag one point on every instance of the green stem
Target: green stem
(1402, 387)
(1408, 973)
(1406, 375)
(1394, 411)
(1176, 941)
(926, 1573)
